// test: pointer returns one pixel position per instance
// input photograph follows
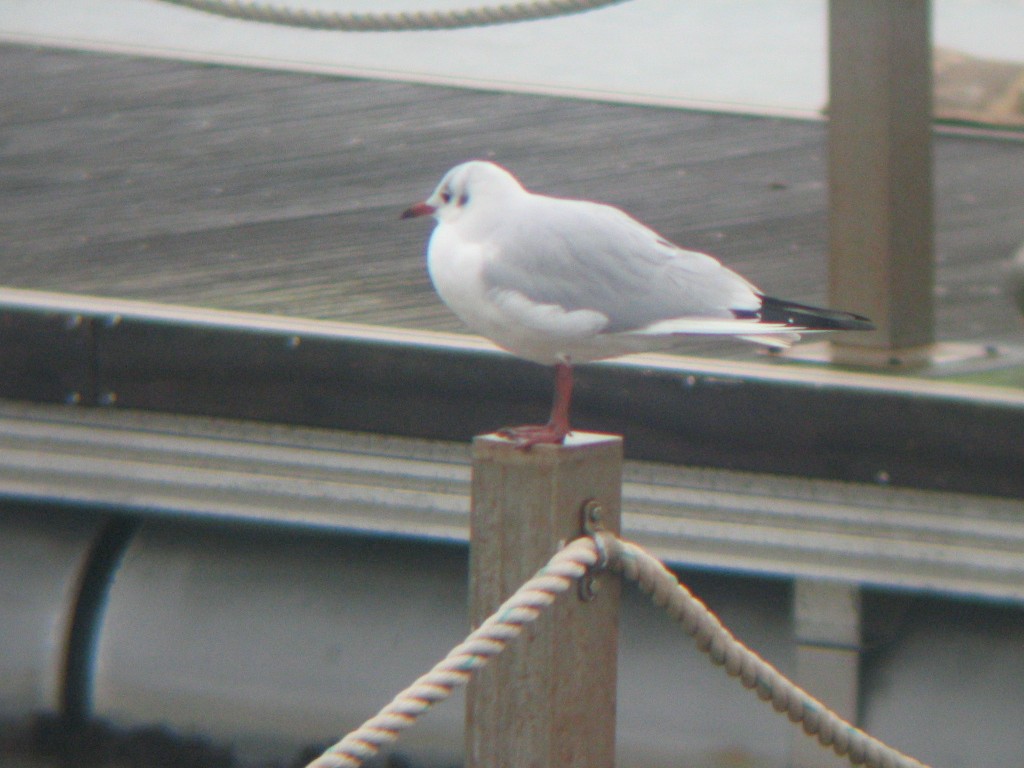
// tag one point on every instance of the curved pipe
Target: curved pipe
(102, 563)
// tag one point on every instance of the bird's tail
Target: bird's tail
(804, 317)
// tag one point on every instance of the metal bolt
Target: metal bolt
(592, 514)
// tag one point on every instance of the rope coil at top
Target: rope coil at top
(403, 21)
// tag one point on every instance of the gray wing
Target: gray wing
(582, 255)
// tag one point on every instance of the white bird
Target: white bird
(560, 281)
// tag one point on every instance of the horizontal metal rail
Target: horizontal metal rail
(780, 419)
(159, 464)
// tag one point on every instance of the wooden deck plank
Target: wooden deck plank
(277, 192)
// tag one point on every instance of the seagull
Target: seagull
(561, 281)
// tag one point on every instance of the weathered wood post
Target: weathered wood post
(549, 700)
(881, 260)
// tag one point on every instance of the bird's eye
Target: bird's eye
(446, 197)
(463, 199)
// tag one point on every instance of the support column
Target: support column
(881, 229)
(549, 700)
(827, 624)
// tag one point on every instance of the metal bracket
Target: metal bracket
(591, 524)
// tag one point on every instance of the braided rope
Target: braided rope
(393, 22)
(665, 591)
(486, 642)
(754, 673)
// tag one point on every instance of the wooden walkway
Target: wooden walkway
(280, 193)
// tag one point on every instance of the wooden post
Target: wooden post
(549, 700)
(881, 260)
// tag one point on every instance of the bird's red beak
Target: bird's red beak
(420, 209)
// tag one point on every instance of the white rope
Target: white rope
(482, 645)
(656, 580)
(711, 636)
(392, 22)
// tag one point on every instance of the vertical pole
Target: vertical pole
(827, 622)
(549, 700)
(881, 260)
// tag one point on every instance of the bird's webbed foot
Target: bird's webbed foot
(528, 435)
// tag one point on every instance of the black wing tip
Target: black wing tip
(810, 318)
(859, 322)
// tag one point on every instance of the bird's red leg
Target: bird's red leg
(559, 420)
(557, 428)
